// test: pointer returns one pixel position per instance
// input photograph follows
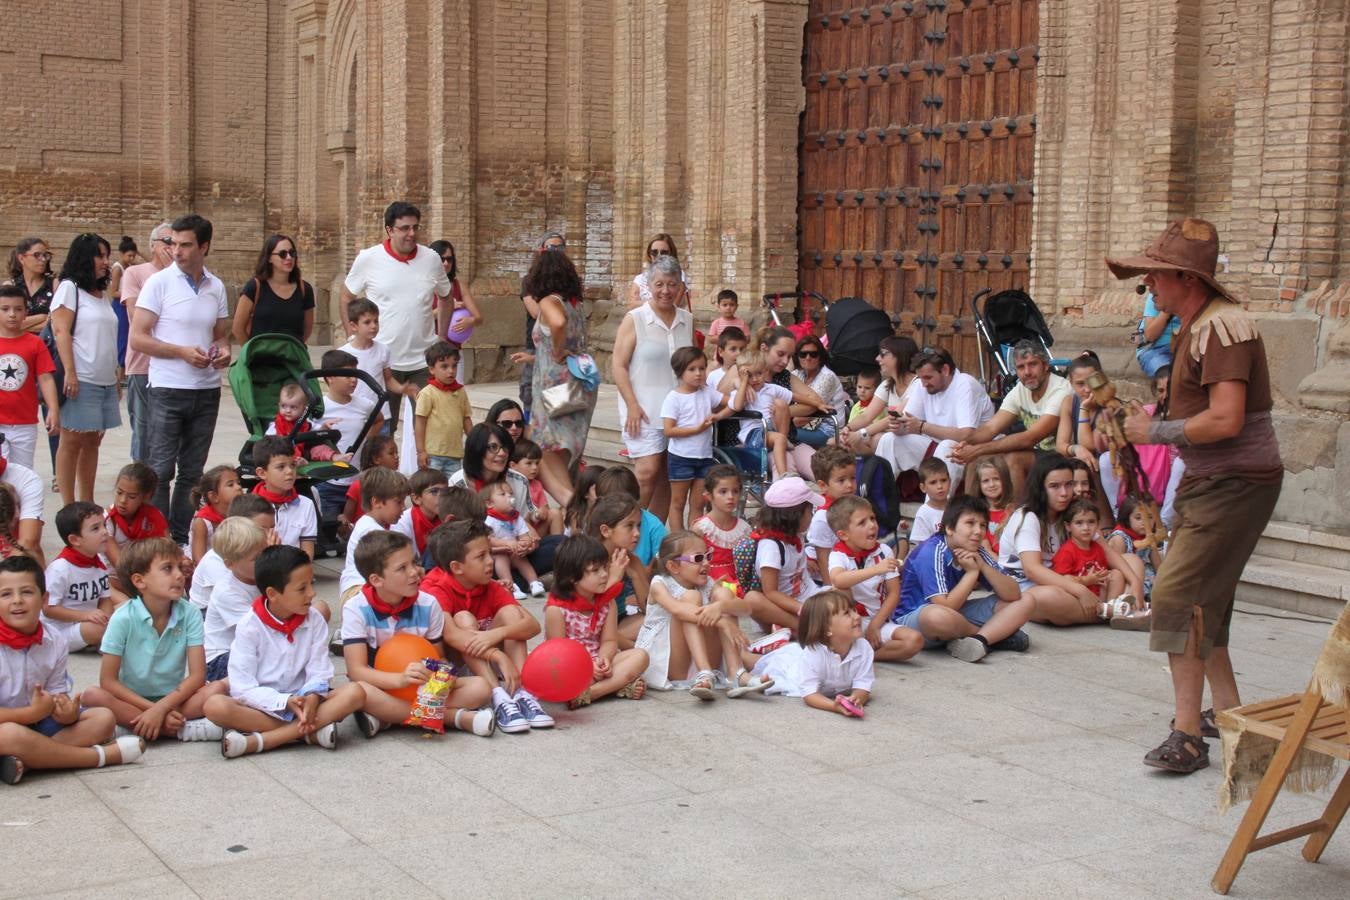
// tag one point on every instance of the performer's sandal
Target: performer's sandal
(1181, 753)
(1208, 727)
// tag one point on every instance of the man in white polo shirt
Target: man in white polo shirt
(400, 276)
(947, 411)
(182, 323)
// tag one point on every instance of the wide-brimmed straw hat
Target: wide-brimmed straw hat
(1188, 245)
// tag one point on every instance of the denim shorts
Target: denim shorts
(218, 668)
(95, 408)
(447, 464)
(977, 611)
(48, 727)
(682, 468)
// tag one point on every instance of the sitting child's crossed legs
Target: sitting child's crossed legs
(229, 713)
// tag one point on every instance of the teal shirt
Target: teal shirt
(650, 536)
(152, 663)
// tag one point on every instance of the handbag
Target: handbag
(48, 338)
(566, 398)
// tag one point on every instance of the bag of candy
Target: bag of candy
(429, 710)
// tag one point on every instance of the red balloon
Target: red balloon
(396, 653)
(557, 670)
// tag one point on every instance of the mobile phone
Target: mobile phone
(893, 414)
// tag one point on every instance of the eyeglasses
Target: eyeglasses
(408, 229)
(287, 254)
(697, 559)
(40, 254)
(808, 354)
(495, 448)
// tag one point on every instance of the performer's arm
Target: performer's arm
(1223, 419)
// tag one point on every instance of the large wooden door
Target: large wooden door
(916, 157)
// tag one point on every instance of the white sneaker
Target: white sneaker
(234, 744)
(368, 724)
(518, 593)
(325, 737)
(967, 649)
(482, 722)
(537, 589)
(200, 730)
(771, 641)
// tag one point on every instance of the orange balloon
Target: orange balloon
(396, 653)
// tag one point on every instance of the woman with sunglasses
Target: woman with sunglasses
(640, 291)
(30, 267)
(508, 415)
(487, 458)
(276, 300)
(813, 368)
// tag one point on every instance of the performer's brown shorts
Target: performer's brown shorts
(1218, 523)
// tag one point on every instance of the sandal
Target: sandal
(702, 688)
(1181, 753)
(1139, 621)
(1208, 726)
(11, 769)
(633, 690)
(754, 684)
(583, 700)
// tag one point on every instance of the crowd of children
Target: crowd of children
(225, 640)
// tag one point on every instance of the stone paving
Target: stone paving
(1016, 777)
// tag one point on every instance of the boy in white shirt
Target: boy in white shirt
(383, 493)
(372, 356)
(297, 522)
(868, 570)
(280, 673)
(936, 482)
(347, 408)
(238, 542)
(79, 594)
(211, 568)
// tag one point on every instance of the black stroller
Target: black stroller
(1004, 319)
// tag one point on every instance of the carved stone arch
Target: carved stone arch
(344, 27)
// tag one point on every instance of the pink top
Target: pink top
(719, 325)
(133, 280)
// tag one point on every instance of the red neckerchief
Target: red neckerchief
(829, 501)
(389, 248)
(795, 540)
(76, 558)
(478, 484)
(4, 464)
(147, 523)
(286, 626)
(448, 388)
(384, 610)
(273, 498)
(856, 556)
(285, 426)
(579, 604)
(422, 527)
(208, 513)
(17, 639)
(1134, 536)
(504, 517)
(459, 596)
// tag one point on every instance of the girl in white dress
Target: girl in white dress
(688, 616)
(830, 664)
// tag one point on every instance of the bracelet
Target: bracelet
(1168, 431)
(1071, 450)
(921, 424)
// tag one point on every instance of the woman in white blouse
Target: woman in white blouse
(894, 357)
(813, 368)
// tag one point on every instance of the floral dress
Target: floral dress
(563, 432)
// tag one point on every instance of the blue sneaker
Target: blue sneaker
(533, 710)
(1018, 642)
(509, 717)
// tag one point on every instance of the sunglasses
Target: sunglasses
(511, 423)
(697, 559)
(447, 259)
(287, 254)
(808, 354)
(658, 253)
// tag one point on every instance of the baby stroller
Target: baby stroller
(803, 324)
(1004, 319)
(855, 329)
(263, 366)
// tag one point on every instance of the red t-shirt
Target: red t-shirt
(483, 602)
(22, 360)
(1072, 559)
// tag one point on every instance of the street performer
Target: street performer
(1219, 417)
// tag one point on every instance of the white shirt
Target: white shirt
(297, 521)
(649, 369)
(210, 569)
(348, 419)
(230, 602)
(964, 404)
(927, 521)
(898, 402)
(74, 587)
(350, 577)
(94, 341)
(520, 487)
(502, 529)
(793, 578)
(22, 670)
(871, 592)
(187, 318)
(372, 360)
(1022, 534)
(818, 534)
(799, 671)
(362, 625)
(689, 410)
(27, 485)
(1020, 404)
(267, 668)
(762, 403)
(403, 292)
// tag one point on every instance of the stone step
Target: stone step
(1294, 586)
(1305, 544)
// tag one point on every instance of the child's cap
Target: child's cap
(791, 491)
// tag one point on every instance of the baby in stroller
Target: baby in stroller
(292, 420)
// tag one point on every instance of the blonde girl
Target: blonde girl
(995, 483)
